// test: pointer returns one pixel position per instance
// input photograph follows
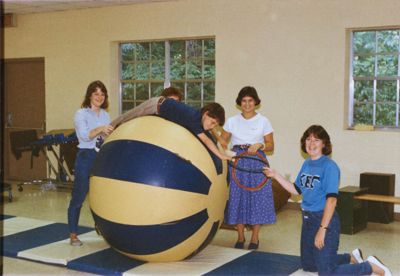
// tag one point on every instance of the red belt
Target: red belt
(244, 146)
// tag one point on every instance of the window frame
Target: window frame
(168, 80)
(375, 79)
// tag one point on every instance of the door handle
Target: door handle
(9, 122)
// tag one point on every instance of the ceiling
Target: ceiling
(38, 6)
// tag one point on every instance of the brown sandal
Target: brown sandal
(74, 241)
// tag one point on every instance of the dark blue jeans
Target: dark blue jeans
(83, 165)
(326, 261)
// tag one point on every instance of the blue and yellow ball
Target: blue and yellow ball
(155, 192)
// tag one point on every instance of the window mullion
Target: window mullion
(398, 99)
(202, 74)
(398, 82)
(186, 70)
(120, 77)
(351, 88)
(149, 71)
(375, 80)
(167, 66)
(135, 59)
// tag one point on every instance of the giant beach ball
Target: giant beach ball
(156, 194)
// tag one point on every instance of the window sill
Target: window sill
(373, 128)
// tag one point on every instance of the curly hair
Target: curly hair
(318, 132)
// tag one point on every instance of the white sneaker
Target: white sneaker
(357, 254)
(374, 260)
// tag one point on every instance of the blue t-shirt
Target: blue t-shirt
(182, 114)
(317, 179)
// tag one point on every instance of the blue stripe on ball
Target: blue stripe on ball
(134, 161)
(150, 239)
(210, 236)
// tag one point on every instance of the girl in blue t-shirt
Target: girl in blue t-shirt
(318, 183)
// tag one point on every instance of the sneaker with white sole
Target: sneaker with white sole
(374, 260)
(357, 254)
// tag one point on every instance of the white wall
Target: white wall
(293, 51)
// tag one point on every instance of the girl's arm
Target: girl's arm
(222, 138)
(329, 209)
(83, 130)
(211, 146)
(103, 130)
(267, 146)
(281, 180)
(269, 142)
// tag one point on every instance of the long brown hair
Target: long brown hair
(90, 90)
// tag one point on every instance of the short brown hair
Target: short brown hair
(92, 87)
(216, 111)
(248, 91)
(172, 91)
(318, 132)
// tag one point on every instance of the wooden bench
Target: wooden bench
(353, 209)
(379, 198)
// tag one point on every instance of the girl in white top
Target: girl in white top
(249, 132)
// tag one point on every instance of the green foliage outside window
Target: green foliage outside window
(146, 67)
(375, 78)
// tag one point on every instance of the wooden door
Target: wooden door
(24, 111)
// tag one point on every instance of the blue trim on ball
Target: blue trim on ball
(145, 163)
(209, 238)
(149, 239)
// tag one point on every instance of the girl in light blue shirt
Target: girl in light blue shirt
(91, 122)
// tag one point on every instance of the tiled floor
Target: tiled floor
(382, 240)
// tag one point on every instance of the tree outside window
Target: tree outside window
(146, 68)
(374, 80)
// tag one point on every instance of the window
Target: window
(146, 68)
(374, 78)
